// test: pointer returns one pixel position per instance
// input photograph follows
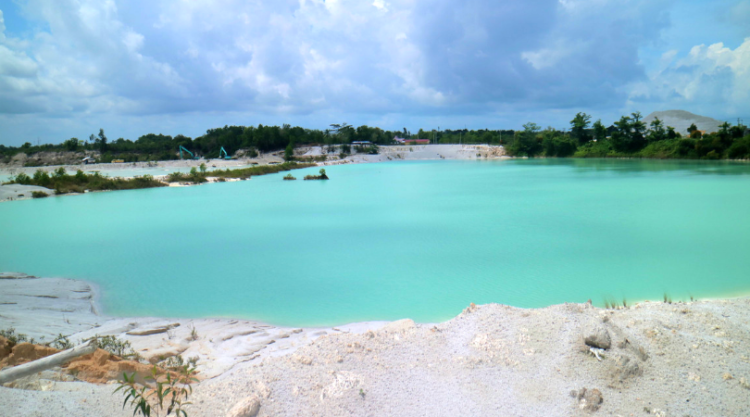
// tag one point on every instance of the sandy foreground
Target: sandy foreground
(161, 169)
(680, 359)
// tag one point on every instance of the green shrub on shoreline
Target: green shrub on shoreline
(194, 177)
(259, 170)
(322, 176)
(63, 183)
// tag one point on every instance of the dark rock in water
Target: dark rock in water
(598, 338)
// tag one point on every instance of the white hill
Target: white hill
(680, 120)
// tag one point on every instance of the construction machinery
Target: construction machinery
(182, 149)
(223, 154)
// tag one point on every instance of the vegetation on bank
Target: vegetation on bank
(322, 176)
(193, 177)
(63, 183)
(259, 170)
(251, 140)
(630, 138)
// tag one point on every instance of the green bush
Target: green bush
(15, 338)
(322, 176)
(81, 181)
(39, 194)
(259, 170)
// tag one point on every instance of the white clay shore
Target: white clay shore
(681, 359)
(161, 169)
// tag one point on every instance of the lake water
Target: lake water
(393, 240)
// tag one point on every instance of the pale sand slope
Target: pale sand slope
(665, 359)
(419, 153)
(139, 168)
(10, 192)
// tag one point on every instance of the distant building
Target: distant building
(411, 141)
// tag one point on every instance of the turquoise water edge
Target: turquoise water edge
(400, 239)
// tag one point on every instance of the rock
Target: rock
(590, 400)
(148, 332)
(598, 338)
(304, 360)
(744, 383)
(101, 367)
(248, 407)
(26, 352)
(398, 326)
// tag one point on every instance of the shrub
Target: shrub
(115, 346)
(289, 177)
(322, 176)
(161, 394)
(15, 338)
(38, 194)
(61, 342)
(259, 170)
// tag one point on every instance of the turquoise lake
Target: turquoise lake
(400, 239)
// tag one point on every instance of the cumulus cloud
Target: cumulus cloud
(707, 77)
(301, 58)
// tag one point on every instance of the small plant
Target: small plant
(667, 298)
(161, 394)
(15, 338)
(362, 393)
(38, 194)
(61, 342)
(176, 362)
(289, 177)
(193, 334)
(203, 168)
(115, 346)
(624, 302)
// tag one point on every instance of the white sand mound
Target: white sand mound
(681, 120)
(653, 358)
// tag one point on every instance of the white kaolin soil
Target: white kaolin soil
(653, 358)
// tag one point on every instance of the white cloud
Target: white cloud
(708, 76)
(303, 57)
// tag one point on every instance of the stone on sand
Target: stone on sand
(598, 337)
(248, 407)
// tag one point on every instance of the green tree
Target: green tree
(526, 142)
(289, 152)
(71, 144)
(600, 131)
(102, 141)
(578, 127)
(671, 133)
(621, 136)
(657, 132)
(694, 132)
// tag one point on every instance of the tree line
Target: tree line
(253, 139)
(630, 137)
(627, 137)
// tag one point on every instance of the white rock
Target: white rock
(248, 407)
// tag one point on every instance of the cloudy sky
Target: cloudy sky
(69, 67)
